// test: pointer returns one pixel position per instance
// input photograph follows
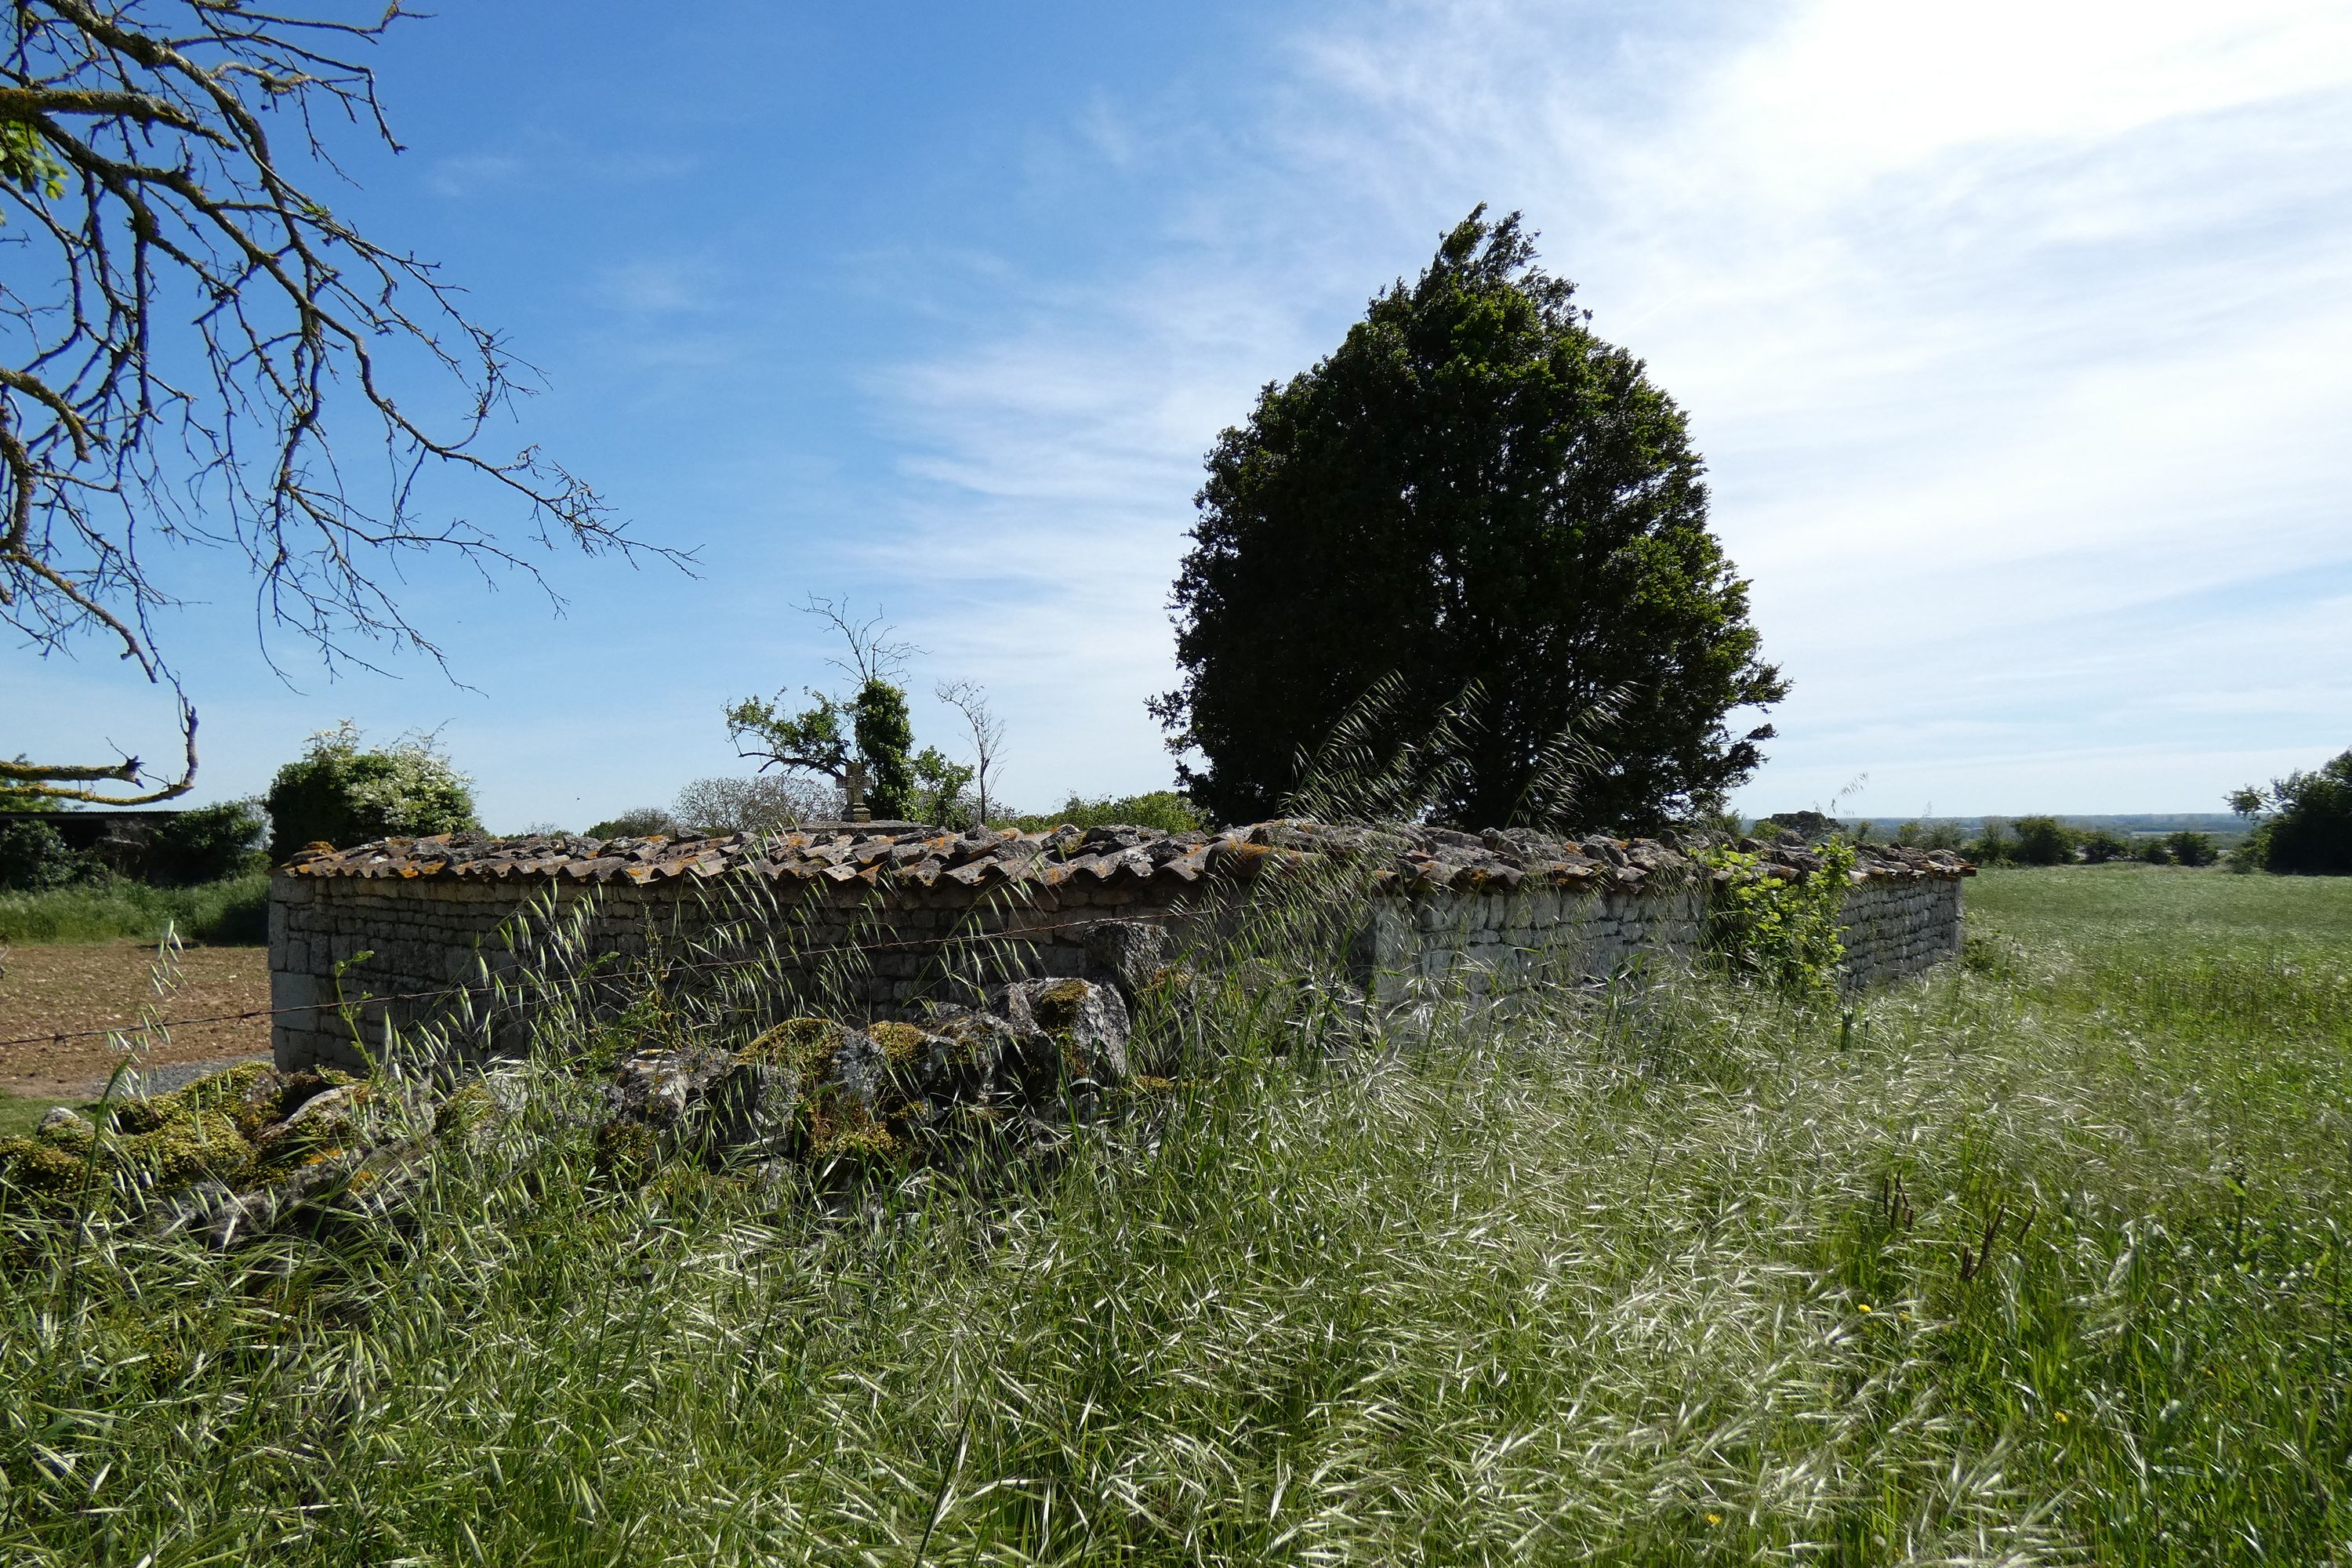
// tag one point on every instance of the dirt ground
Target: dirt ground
(68, 986)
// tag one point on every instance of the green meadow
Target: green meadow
(2037, 1259)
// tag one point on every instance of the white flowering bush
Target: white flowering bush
(341, 792)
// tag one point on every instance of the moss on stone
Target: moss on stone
(840, 1124)
(301, 1144)
(899, 1042)
(805, 1044)
(41, 1168)
(464, 1110)
(1056, 1006)
(626, 1152)
(162, 1144)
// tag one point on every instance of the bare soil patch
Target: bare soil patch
(68, 987)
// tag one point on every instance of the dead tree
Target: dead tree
(969, 699)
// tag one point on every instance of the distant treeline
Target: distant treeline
(2219, 824)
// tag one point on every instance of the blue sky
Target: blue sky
(2017, 337)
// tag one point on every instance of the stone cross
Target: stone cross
(853, 786)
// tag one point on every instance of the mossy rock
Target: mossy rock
(626, 1152)
(43, 1169)
(1082, 1026)
(900, 1043)
(299, 1145)
(804, 1044)
(228, 1126)
(470, 1107)
(1056, 1006)
(841, 1123)
(162, 1145)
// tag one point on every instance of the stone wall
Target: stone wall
(883, 919)
(856, 953)
(1895, 929)
(1482, 942)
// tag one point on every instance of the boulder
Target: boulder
(1072, 1031)
(1129, 951)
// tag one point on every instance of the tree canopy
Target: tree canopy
(196, 350)
(1483, 513)
(899, 780)
(2305, 824)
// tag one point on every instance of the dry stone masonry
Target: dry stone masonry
(890, 921)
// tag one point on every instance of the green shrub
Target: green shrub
(2308, 828)
(1164, 809)
(2042, 841)
(2099, 846)
(2155, 851)
(1992, 847)
(1781, 934)
(886, 740)
(341, 793)
(1932, 835)
(232, 913)
(34, 858)
(2252, 853)
(206, 843)
(2191, 849)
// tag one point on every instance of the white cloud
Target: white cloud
(1999, 323)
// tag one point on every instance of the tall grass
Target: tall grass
(235, 910)
(1697, 1277)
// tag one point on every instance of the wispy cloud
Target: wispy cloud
(660, 285)
(2018, 339)
(473, 173)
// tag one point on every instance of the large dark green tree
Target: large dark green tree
(1481, 509)
(2304, 821)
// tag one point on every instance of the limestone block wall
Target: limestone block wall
(1893, 929)
(401, 946)
(1486, 942)
(881, 920)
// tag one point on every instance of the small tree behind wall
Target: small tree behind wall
(969, 699)
(342, 793)
(872, 727)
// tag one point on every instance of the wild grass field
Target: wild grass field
(234, 910)
(2039, 1259)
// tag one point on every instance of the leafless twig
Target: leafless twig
(186, 322)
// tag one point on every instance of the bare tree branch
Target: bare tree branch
(65, 781)
(187, 330)
(970, 699)
(872, 654)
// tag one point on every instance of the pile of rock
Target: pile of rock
(252, 1149)
(1045, 1055)
(227, 1153)
(1791, 856)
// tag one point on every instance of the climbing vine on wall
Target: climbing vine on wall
(1777, 932)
